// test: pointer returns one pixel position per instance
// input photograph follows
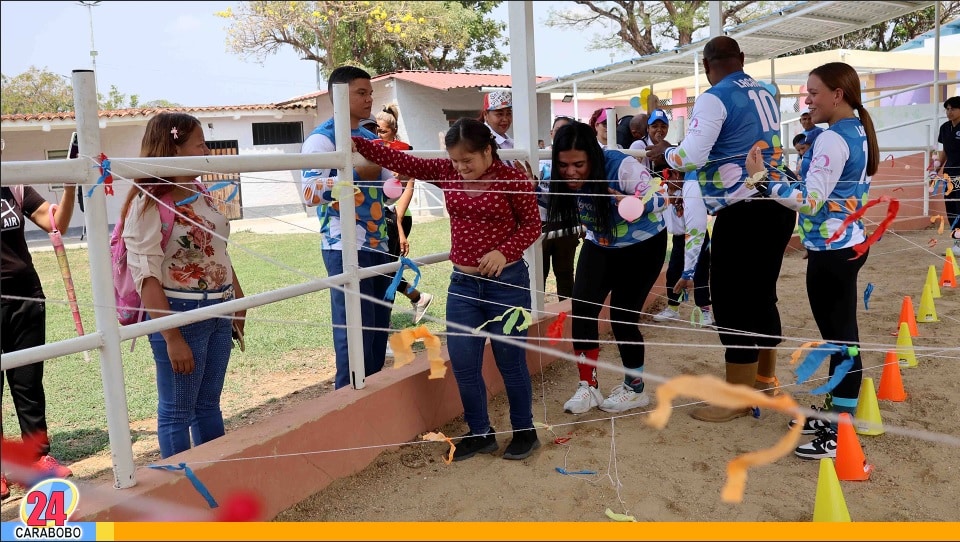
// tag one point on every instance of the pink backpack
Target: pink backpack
(129, 305)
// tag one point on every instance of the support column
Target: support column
(524, 76)
(101, 276)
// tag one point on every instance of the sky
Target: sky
(176, 51)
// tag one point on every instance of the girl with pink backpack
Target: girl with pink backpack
(190, 270)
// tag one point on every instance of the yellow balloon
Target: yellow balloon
(644, 94)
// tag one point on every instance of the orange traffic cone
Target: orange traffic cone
(948, 277)
(829, 504)
(891, 383)
(851, 463)
(907, 316)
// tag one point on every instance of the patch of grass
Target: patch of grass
(280, 337)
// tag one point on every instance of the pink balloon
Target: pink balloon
(392, 188)
(630, 208)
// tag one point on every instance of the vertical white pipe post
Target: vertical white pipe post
(716, 19)
(524, 76)
(101, 276)
(612, 127)
(935, 89)
(348, 236)
(696, 74)
(923, 181)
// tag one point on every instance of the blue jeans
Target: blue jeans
(471, 301)
(191, 402)
(373, 315)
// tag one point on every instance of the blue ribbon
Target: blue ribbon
(815, 358)
(104, 174)
(866, 295)
(404, 263)
(562, 470)
(197, 484)
(216, 186)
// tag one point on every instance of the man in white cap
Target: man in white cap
(498, 116)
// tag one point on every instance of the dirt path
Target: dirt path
(676, 474)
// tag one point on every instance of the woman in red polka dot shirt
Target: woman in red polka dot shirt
(493, 219)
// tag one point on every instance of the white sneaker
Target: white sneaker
(624, 398)
(585, 398)
(421, 306)
(666, 314)
(707, 320)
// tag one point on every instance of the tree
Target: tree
(379, 36)
(160, 104)
(35, 91)
(648, 27)
(116, 100)
(891, 34)
(43, 91)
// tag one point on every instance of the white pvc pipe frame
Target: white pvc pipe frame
(109, 334)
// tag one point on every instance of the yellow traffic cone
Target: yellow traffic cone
(868, 410)
(829, 504)
(927, 312)
(953, 260)
(905, 354)
(932, 282)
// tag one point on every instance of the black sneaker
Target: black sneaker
(523, 444)
(813, 423)
(470, 445)
(825, 445)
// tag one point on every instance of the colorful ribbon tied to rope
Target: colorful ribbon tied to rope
(893, 206)
(392, 289)
(512, 315)
(402, 344)
(555, 330)
(866, 296)
(106, 177)
(815, 358)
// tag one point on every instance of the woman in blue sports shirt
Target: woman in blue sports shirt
(836, 185)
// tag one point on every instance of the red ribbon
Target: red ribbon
(555, 331)
(106, 176)
(893, 206)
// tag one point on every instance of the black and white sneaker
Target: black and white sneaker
(813, 423)
(824, 445)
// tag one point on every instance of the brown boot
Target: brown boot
(767, 380)
(737, 373)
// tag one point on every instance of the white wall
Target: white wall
(263, 193)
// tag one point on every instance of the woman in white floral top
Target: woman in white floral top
(190, 271)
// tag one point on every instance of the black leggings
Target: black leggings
(701, 274)
(562, 251)
(24, 326)
(393, 241)
(749, 239)
(627, 274)
(833, 294)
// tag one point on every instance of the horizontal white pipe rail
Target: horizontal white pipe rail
(94, 340)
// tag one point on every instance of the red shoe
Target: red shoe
(51, 466)
(4, 490)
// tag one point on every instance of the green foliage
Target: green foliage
(891, 34)
(160, 104)
(281, 338)
(35, 91)
(42, 91)
(378, 36)
(649, 27)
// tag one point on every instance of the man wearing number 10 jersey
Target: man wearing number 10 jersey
(750, 233)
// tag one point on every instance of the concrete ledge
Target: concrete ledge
(293, 447)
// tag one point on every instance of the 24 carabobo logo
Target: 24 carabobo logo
(49, 503)
(46, 509)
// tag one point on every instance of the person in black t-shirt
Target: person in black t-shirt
(950, 159)
(24, 320)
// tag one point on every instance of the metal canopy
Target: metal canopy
(781, 32)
